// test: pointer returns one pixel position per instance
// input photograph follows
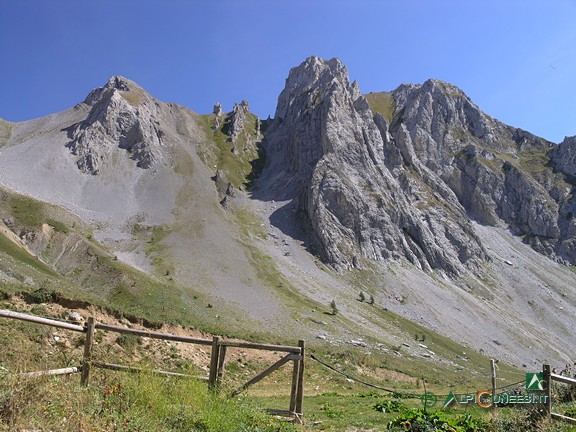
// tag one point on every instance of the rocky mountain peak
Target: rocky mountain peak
(337, 151)
(122, 116)
(309, 79)
(315, 91)
(438, 112)
(120, 83)
(114, 84)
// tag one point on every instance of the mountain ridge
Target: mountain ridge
(408, 196)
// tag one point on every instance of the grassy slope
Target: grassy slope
(98, 278)
(117, 401)
(237, 166)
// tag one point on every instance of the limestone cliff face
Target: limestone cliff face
(499, 173)
(361, 196)
(122, 116)
(563, 160)
(400, 175)
(386, 176)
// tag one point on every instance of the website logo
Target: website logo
(534, 381)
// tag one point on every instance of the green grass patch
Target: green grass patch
(250, 224)
(58, 226)
(534, 160)
(127, 402)
(27, 211)
(133, 97)
(155, 249)
(22, 256)
(383, 103)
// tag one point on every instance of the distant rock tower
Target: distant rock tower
(218, 109)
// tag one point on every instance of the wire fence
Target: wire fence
(511, 387)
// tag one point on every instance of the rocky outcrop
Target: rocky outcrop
(217, 111)
(563, 156)
(404, 184)
(237, 120)
(362, 195)
(122, 116)
(478, 157)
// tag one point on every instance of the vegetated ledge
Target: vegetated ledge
(42, 295)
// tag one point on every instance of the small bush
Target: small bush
(389, 406)
(333, 307)
(41, 295)
(421, 420)
(129, 342)
(330, 411)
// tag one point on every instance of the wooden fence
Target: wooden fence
(295, 354)
(549, 377)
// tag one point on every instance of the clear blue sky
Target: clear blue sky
(516, 59)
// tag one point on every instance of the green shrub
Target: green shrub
(389, 406)
(333, 307)
(421, 420)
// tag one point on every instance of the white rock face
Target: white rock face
(337, 152)
(123, 117)
(407, 187)
(238, 119)
(490, 166)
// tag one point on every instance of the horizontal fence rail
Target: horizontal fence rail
(53, 372)
(154, 335)
(267, 347)
(562, 379)
(295, 354)
(123, 368)
(549, 377)
(39, 320)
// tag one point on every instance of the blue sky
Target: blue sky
(516, 59)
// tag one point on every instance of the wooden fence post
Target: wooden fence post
(221, 360)
(300, 384)
(297, 382)
(214, 357)
(547, 389)
(87, 358)
(294, 387)
(493, 375)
